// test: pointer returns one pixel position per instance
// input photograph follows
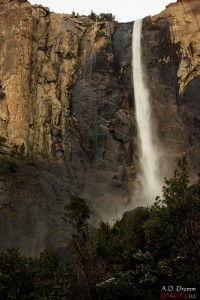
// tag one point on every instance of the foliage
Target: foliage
(2, 140)
(101, 17)
(93, 16)
(75, 15)
(133, 259)
(21, 151)
(25, 278)
(156, 246)
(118, 243)
(77, 212)
(172, 232)
(8, 164)
(106, 17)
(87, 268)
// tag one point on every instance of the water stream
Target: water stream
(149, 153)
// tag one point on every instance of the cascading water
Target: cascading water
(149, 155)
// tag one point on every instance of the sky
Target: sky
(123, 10)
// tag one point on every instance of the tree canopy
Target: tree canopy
(145, 250)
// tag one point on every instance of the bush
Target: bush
(2, 140)
(8, 164)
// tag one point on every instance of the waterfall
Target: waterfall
(149, 154)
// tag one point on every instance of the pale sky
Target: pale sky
(123, 10)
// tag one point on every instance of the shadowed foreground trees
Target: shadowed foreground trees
(26, 278)
(87, 268)
(133, 259)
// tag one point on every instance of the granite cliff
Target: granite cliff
(67, 123)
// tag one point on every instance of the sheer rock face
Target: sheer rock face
(172, 56)
(67, 109)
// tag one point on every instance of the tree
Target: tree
(172, 232)
(155, 246)
(106, 17)
(87, 268)
(93, 16)
(146, 249)
(26, 278)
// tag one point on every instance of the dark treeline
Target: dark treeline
(145, 250)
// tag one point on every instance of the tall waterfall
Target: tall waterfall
(149, 156)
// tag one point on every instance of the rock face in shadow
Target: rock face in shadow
(67, 123)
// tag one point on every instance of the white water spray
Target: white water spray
(149, 154)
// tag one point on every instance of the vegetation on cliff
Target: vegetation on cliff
(133, 259)
(101, 17)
